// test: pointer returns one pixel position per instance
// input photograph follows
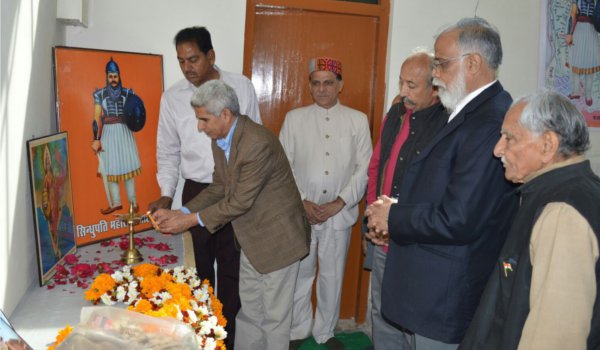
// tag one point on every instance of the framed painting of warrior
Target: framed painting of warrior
(108, 102)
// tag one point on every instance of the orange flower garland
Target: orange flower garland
(175, 293)
(62, 335)
(145, 270)
(101, 285)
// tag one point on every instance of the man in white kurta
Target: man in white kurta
(329, 147)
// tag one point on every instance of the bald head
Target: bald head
(422, 61)
(416, 87)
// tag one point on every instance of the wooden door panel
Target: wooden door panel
(284, 42)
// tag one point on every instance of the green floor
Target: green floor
(353, 341)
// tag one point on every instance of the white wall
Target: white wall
(149, 26)
(29, 30)
(415, 23)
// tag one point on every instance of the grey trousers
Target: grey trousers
(385, 336)
(264, 321)
(419, 342)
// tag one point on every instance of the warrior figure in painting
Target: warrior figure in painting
(117, 112)
(584, 50)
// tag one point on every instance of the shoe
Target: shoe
(334, 344)
(573, 97)
(110, 209)
(296, 344)
(589, 102)
(136, 208)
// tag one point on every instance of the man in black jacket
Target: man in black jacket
(453, 204)
(408, 127)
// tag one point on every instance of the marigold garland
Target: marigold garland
(154, 291)
(62, 334)
(101, 285)
(144, 270)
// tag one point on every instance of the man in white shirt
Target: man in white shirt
(329, 147)
(181, 148)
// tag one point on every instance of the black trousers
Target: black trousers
(220, 246)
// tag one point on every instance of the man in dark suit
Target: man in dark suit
(449, 220)
(254, 189)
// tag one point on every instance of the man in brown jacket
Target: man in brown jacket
(254, 189)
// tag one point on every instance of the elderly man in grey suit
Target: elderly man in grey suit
(254, 189)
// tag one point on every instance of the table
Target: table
(42, 312)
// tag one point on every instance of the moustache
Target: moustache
(408, 101)
(439, 83)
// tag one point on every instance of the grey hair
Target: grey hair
(478, 35)
(422, 51)
(547, 110)
(215, 96)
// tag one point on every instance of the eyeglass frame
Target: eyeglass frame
(442, 63)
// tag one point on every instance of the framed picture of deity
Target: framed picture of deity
(108, 102)
(52, 201)
(570, 53)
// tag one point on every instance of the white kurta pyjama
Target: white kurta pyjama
(329, 151)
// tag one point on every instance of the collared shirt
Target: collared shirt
(180, 146)
(329, 152)
(468, 99)
(225, 145)
(424, 125)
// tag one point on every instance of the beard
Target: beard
(450, 95)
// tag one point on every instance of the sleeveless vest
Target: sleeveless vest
(501, 315)
(435, 116)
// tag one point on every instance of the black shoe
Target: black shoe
(334, 344)
(296, 344)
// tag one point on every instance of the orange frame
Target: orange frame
(79, 73)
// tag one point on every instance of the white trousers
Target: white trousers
(264, 320)
(113, 192)
(330, 247)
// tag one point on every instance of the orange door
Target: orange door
(281, 38)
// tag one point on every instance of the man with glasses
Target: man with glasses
(449, 220)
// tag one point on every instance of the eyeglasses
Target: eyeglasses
(442, 63)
